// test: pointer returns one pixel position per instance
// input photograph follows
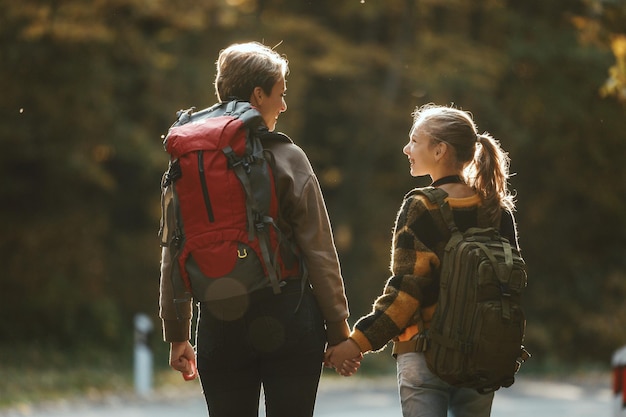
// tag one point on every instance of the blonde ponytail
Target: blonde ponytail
(488, 174)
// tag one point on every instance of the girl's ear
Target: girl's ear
(440, 150)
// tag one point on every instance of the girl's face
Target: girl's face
(270, 106)
(421, 152)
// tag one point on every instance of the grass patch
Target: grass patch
(34, 374)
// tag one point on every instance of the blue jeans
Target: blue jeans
(423, 394)
(268, 344)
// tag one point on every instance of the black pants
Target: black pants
(261, 340)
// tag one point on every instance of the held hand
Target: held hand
(183, 359)
(344, 357)
(327, 363)
(350, 366)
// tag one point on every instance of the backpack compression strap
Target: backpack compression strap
(241, 168)
(258, 222)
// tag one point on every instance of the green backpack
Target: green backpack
(476, 335)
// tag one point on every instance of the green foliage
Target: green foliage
(602, 24)
(90, 88)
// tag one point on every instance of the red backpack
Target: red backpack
(219, 205)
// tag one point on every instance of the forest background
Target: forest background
(89, 88)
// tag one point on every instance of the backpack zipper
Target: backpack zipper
(205, 189)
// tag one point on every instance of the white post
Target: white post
(618, 363)
(143, 355)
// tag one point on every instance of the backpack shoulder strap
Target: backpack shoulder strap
(243, 111)
(268, 136)
(438, 196)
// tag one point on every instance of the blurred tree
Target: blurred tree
(89, 89)
(80, 166)
(602, 24)
(570, 207)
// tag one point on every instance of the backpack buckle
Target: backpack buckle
(246, 165)
(177, 239)
(421, 343)
(234, 161)
(173, 173)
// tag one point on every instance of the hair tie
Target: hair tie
(479, 138)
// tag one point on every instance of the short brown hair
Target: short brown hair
(243, 66)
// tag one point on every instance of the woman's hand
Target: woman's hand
(345, 357)
(183, 359)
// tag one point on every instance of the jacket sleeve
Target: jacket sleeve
(315, 238)
(411, 285)
(175, 313)
(304, 211)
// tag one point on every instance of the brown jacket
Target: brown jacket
(304, 219)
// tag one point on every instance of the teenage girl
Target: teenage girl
(473, 169)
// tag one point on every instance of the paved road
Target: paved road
(352, 397)
(525, 398)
